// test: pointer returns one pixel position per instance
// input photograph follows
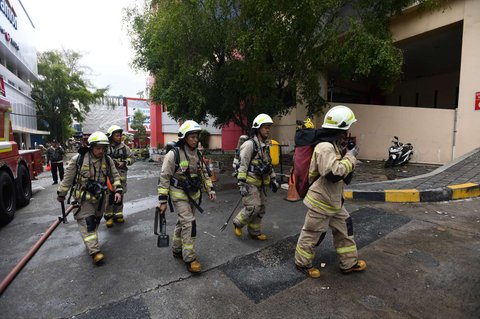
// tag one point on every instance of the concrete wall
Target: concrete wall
(414, 23)
(429, 130)
(468, 121)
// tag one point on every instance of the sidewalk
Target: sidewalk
(456, 180)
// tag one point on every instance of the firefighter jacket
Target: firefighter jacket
(122, 156)
(55, 155)
(188, 173)
(255, 163)
(327, 170)
(92, 171)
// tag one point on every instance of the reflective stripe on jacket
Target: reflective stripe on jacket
(91, 169)
(323, 195)
(196, 169)
(246, 161)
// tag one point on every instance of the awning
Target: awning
(20, 129)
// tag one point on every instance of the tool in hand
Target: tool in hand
(231, 214)
(163, 239)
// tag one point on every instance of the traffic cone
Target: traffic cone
(292, 194)
(214, 175)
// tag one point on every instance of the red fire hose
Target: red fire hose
(14, 272)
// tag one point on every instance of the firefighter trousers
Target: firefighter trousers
(112, 209)
(253, 211)
(314, 229)
(88, 219)
(185, 230)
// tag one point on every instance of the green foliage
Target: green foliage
(235, 59)
(62, 93)
(137, 125)
(204, 138)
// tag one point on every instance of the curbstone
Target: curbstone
(450, 192)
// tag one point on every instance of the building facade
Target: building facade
(436, 106)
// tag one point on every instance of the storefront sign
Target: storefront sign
(9, 12)
(477, 101)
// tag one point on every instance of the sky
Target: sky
(94, 29)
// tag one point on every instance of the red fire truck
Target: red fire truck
(17, 167)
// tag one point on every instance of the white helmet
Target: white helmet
(98, 138)
(188, 127)
(112, 129)
(339, 117)
(261, 119)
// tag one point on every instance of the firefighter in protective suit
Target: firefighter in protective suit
(122, 157)
(182, 179)
(87, 172)
(254, 174)
(330, 167)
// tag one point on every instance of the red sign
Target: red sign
(477, 101)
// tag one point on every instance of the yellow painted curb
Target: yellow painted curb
(402, 195)
(348, 194)
(465, 190)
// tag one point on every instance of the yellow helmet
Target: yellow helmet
(98, 138)
(340, 117)
(112, 129)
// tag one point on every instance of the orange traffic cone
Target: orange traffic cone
(292, 194)
(214, 175)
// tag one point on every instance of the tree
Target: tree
(62, 93)
(235, 59)
(137, 125)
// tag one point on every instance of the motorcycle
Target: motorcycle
(399, 153)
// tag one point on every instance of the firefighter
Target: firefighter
(255, 172)
(122, 157)
(182, 179)
(86, 175)
(330, 167)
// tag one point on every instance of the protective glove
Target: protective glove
(243, 188)
(61, 198)
(354, 151)
(274, 185)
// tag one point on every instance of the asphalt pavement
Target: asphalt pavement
(422, 260)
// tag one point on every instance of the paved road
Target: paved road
(422, 263)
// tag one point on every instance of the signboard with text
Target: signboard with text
(134, 105)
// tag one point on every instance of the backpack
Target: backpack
(79, 162)
(173, 146)
(176, 151)
(236, 159)
(305, 142)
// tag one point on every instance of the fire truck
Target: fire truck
(17, 167)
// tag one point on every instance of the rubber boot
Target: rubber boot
(310, 272)
(361, 265)
(258, 237)
(109, 222)
(98, 257)
(194, 267)
(119, 218)
(237, 230)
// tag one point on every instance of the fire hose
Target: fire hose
(19, 266)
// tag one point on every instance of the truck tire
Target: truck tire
(24, 186)
(8, 200)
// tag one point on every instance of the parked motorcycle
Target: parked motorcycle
(399, 153)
